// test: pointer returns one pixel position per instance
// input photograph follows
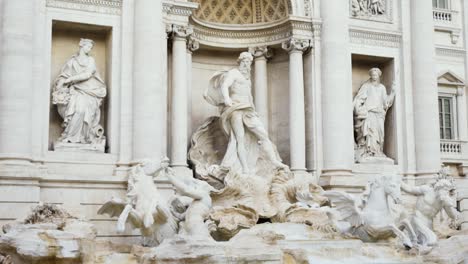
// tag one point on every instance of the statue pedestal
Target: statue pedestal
(79, 147)
(377, 160)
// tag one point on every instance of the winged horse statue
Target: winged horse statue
(372, 217)
(144, 208)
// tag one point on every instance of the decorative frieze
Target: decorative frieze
(179, 8)
(242, 36)
(377, 10)
(373, 38)
(450, 52)
(113, 7)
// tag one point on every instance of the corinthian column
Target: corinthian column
(296, 48)
(426, 122)
(192, 45)
(149, 91)
(337, 110)
(179, 109)
(261, 54)
(16, 71)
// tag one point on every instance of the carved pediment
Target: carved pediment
(450, 78)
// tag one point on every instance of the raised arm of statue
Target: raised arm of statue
(391, 97)
(449, 207)
(185, 189)
(227, 82)
(414, 190)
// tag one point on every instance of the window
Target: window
(446, 117)
(442, 4)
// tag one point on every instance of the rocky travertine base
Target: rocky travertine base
(285, 243)
(49, 243)
(268, 243)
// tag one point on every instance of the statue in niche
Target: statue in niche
(367, 7)
(370, 108)
(78, 94)
(231, 91)
(432, 199)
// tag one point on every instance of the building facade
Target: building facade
(156, 59)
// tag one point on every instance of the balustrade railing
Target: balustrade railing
(442, 15)
(451, 147)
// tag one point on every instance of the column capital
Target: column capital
(192, 44)
(296, 45)
(181, 32)
(261, 52)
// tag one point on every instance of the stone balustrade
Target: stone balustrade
(451, 146)
(443, 15)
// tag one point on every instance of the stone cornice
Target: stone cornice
(450, 52)
(242, 36)
(178, 8)
(113, 7)
(375, 38)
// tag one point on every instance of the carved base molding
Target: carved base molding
(113, 7)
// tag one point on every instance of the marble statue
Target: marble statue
(367, 7)
(78, 94)
(372, 218)
(370, 106)
(194, 225)
(231, 92)
(432, 199)
(145, 208)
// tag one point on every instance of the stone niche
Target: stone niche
(65, 43)
(207, 61)
(361, 65)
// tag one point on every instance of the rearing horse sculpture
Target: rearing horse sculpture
(371, 218)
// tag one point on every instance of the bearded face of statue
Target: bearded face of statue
(244, 67)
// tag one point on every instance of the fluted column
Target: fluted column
(461, 114)
(425, 93)
(149, 91)
(192, 45)
(261, 54)
(296, 48)
(337, 111)
(179, 109)
(16, 84)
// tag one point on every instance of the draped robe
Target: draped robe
(370, 108)
(81, 110)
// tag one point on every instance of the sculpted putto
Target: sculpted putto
(370, 108)
(367, 7)
(431, 200)
(231, 92)
(78, 94)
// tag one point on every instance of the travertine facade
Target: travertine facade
(310, 59)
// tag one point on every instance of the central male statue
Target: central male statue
(231, 91)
